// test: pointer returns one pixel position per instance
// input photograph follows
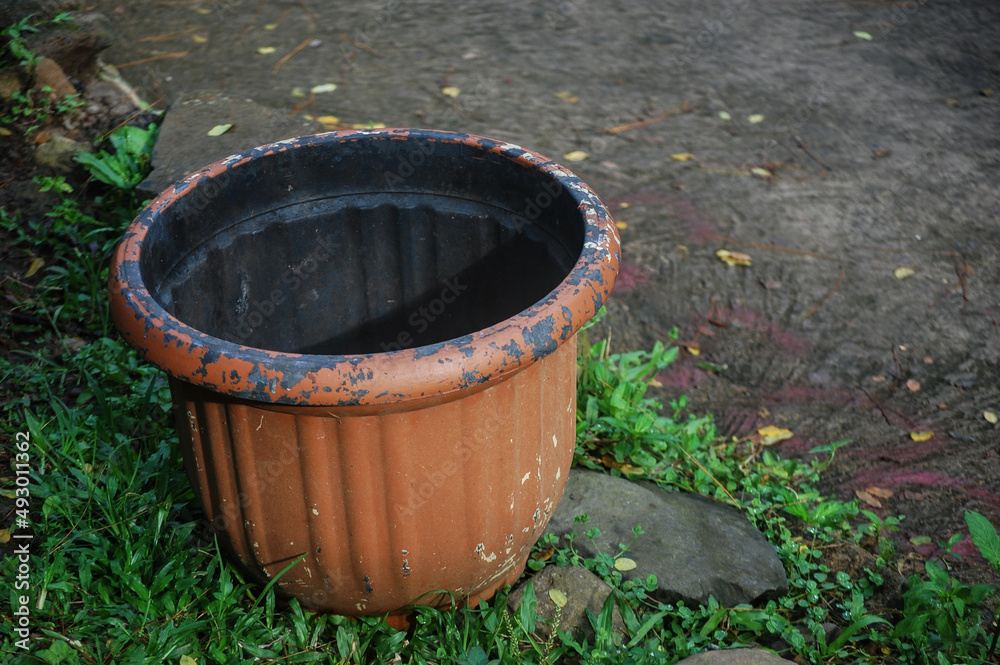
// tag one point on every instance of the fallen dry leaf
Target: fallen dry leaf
(734, 258)
(991, 417)
(922, 435)
(567, 96)
(771, 435)
(558, 597)
(755, 118)
(544, 555)
(575, 156)
(266, 50)
(903, 272)
(219, 130)
(861, 34)
(879, 492)
(323, 87)
(682, 156)
(868, 498)
(620, 225)
(36, 265)
(451, 91)
(693, 350)
(328, 120)
(4, 535)
(912, 385)
(198, 39)
(921, 540)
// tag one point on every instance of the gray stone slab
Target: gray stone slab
(696, 547)
(184, 146)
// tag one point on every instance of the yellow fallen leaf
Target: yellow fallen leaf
(621, 226)
(271, 26)
(451, 91)
(762, 172)
(991, 417)
(734, 258)
(624, 205)
(861, 34)
(203, 10)
(724, 115)
(631, 469)
(921, 436)
(771, 435)
(36, 265)
(266, 50)
(323, 87)
(368, 125)
(913, 385)
(5, 132)
(755, 118)
(558, 597)
(682, 156)
(219, 130)
(693, 350)
(187, 660)
(903, 273)
(198, 39)
(567, 96)
(624, 564)
(4, 535)
(575, 156)
(328, 120)
(921, 540)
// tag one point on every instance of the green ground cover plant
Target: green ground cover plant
(124, 570)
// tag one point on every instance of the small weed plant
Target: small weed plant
(123, 569)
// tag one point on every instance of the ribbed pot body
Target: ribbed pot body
(371, 344)
(386, 507)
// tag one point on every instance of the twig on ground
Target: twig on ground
(822, 302)
(162, 56)
(805, 149)
(288, 57)
(364, 47)
(171, 35)
(684, 107)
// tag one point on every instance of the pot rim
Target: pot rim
(431, 372)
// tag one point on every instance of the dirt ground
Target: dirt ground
(835, 143)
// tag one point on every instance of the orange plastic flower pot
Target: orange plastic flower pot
(371, 343)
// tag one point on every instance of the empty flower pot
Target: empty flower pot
(371, 343)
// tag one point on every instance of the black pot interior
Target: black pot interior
(361, 247)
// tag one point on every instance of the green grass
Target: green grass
(122, 568)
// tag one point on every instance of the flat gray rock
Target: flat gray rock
(734, 657)
(696, 547)
(184, 146)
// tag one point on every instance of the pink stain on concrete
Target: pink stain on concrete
(698, 226)
(630, 276)
(683, 375)
(748, 318)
